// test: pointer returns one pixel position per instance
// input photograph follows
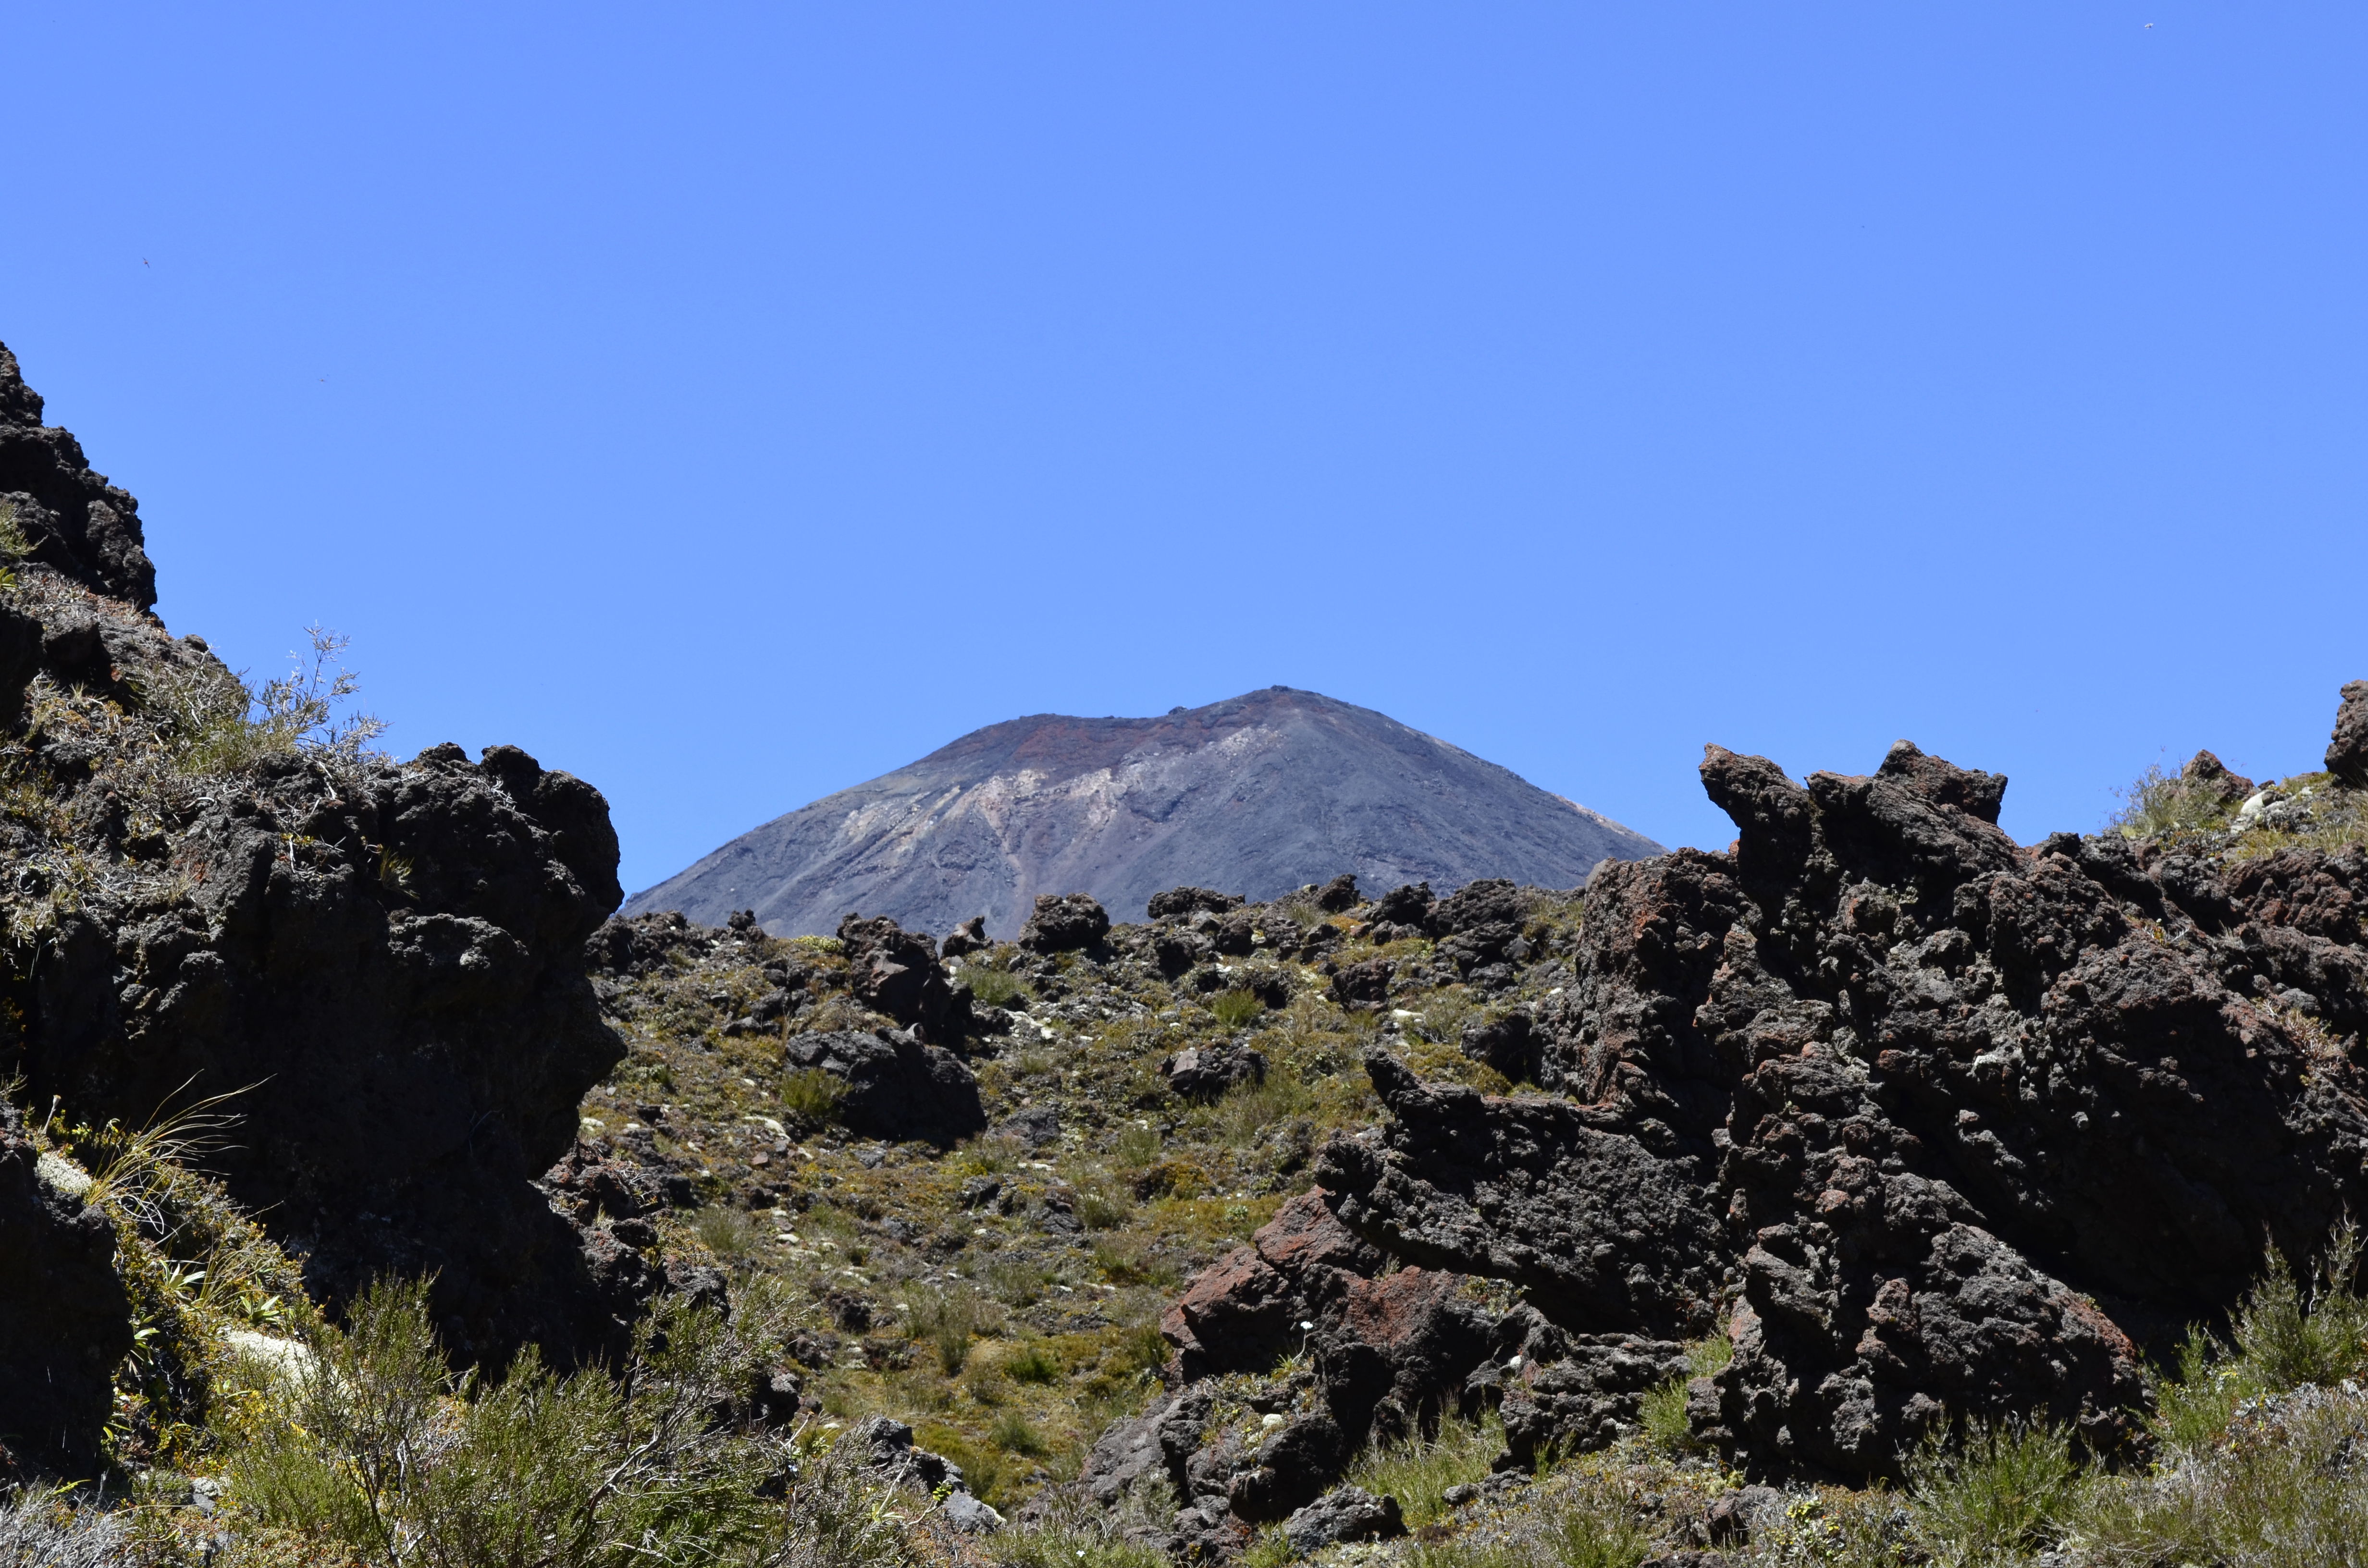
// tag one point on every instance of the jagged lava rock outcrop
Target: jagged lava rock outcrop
(1930, 1124)
(1260, 794)
(386, 961)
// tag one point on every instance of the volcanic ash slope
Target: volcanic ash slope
(1258, 795)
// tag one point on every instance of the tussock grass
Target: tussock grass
(812, 1094)
(1235, 1009)
(1663, 1410)
(2159, 803)
(1416, 1470)
(947, 1320)
(1996, 1492)
(995, 987)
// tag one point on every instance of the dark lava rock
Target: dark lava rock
(76, 522)
(1606, 1217)
(1242, 1313)
(1349, 1514)
(897, 1088)
(897, 972)
(388, 962)
(1186, 900)
(1363, 987)
(970, 936)
(1037, 1126)
(1576, 1394)
(1177, 949)
(885, 1445)
(1338, 895)
(1064, 924)
(1204, 1072)
(2206, 775)
(2347, 754)
(66, 1320)
(1409, 904)
(1960, 1118)
(1509, 1044)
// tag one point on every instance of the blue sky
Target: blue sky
(731, 403)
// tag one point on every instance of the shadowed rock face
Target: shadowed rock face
(386, 960)
(1260, 795)
(411, 1056)
(64, 1318)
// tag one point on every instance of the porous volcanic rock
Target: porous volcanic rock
(1349, 1514)
(897, 1088)
(77, 523)
(382, 963)
(897, 972)
(402, 1001)
(1065, 923)
(66, 1319)
(2347, 753)
(1932, 1122)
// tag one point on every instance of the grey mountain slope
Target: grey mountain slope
(1256, 795)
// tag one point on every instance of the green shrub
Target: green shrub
(381, 1449)
(1032, 1363)
(1138, 1147)
(2001, 1490)
(812, 1094)
(1235, 1009)
(1591, 1528)
(1016, 1281)
(2284, 1335)
(995, 987)
(948, 1321)
(1100, 1210)
(729, 1234)
(216, 722)
(1013, 1434)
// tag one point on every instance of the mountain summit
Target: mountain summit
(1256, 795)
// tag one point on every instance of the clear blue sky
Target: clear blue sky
(731, 403)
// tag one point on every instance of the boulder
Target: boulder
(1246, 1312)
(896, 972)
(1350, 1512)
(884, 1444)
(78, 524)
(2347, 753)
(970, 936)
(1065, 923)
(896, 1087)
(1338, 895)
(1205, 1071)
(1177, 949)
(1409, 904)
(2206, 776)
(1363, 987)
